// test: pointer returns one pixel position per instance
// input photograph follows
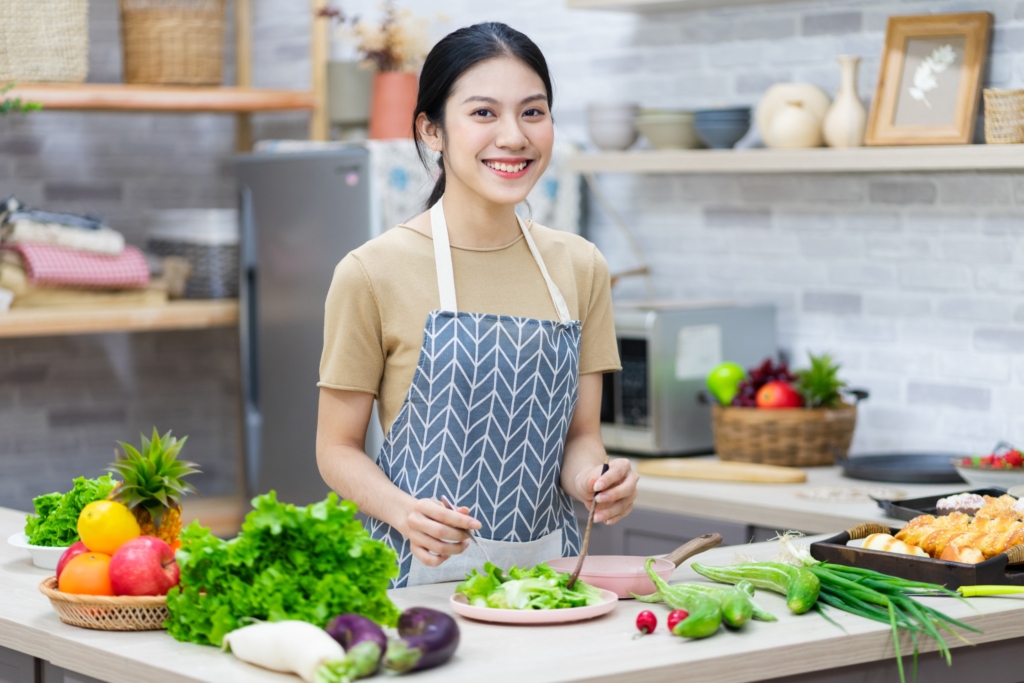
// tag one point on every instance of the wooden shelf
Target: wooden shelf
(156, 98)
(651, 6)
(176, 315)
(818, 160)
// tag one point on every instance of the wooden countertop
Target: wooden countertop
(597, 650)
(777, 506)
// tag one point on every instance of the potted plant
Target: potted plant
(769, 414)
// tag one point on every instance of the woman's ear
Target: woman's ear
(429, 132)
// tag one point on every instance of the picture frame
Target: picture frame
(929, 83)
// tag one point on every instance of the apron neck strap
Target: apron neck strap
(446, 272)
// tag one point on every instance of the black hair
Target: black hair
(455, 54)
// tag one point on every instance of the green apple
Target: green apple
(724, 381)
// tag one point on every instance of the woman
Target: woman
(482, 336)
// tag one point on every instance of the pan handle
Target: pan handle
(695, 547)
(866, 529)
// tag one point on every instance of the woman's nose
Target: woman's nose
(510, 135)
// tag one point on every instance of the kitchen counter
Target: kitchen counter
(599, 650)
(777, 506)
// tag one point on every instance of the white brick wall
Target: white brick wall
(916, 282)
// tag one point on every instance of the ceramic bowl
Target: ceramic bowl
(44, 557)
(730, 114)
(668, 130)
(981, 477)
(721, 134)
(613, 135)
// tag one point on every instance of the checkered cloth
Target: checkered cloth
(46, 264)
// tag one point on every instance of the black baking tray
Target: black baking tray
(903, 468)
(952, 575)
(914, 507)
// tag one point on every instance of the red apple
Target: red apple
(71, 553)
(143, 566)
(778, 395)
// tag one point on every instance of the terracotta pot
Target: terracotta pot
(392, 105)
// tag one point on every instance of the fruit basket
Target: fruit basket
(793, 437)
(126, 613)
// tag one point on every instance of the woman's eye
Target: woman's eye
(533, 112)
(482, 112)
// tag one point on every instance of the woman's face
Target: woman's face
(498, 131)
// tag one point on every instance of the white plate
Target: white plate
(43, 556)
(990, 478)
(460, 605)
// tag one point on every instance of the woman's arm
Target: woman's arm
(341, 429)
(584, 455)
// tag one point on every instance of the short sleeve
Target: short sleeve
(353, 355)
(599, 350)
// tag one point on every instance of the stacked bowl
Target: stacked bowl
(612, 126)
(668, 129)
(722, 128)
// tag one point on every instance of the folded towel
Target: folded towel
(100, 241)
(49, 265)
(12, 210)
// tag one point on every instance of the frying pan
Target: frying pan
(624, 574)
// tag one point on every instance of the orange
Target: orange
(105, 526)
(87, 574)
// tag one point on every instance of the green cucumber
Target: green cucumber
(799, 585)
(705, 611)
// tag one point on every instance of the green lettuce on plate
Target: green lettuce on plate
(56, 520)
(538, 588)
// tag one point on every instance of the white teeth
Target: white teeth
(507, 168)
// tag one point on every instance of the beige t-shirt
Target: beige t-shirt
(383, 291)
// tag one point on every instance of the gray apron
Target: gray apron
(484, 423)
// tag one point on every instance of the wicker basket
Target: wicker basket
(1004, 116)
(793, 438)
(107, 613)
(44, 40)
(173, 42)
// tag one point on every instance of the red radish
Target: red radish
(71, 553)
(675, 616)
(778, 395)
(646, 622)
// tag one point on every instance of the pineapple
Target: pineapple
(152, 484)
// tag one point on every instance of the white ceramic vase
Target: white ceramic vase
(795, 128)
(847, 118)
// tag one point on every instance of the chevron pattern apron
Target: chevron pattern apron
(484, 423)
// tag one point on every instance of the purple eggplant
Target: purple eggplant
(364, 642)
(428, 638)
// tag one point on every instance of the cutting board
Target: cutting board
(688, 468)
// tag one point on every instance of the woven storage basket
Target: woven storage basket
(44, 40)
(1004, 116)
(173, 42)
(107, 613)
(795, 437)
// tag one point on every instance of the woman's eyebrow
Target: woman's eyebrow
(491, 100)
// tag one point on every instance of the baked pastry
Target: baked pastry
(1018, 507)
(955, 553)
(967, 503)
(991, 536)
(889, 544)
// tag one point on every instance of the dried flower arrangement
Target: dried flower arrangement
(400, 41)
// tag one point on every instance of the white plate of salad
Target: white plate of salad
(528, 596)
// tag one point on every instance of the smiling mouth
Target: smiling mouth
(511, 169)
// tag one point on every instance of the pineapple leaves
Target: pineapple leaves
(820, 384)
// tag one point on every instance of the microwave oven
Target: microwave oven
(667, 349)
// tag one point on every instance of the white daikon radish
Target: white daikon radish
(296, 647)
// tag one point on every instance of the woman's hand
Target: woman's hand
(435, 532)
(614, 491)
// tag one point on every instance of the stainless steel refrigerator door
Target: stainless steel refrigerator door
(302, 213)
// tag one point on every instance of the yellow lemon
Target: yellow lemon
(105, 526)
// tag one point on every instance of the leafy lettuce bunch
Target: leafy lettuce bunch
(56, 523)
(538, 588)
(309, 563)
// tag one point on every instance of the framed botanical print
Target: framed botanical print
(930, 81)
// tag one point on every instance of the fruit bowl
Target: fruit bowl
(104, 613)
(43, 556)
(985, 477)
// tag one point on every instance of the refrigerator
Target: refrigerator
(300, 213)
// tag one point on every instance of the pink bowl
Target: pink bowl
(620, 574)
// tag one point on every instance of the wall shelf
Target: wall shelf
(176, 315)
(651, 6)
(156, 98)
(819, 160)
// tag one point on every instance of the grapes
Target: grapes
(767, 371)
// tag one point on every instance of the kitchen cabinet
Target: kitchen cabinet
(16, 667)
(653, 532)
